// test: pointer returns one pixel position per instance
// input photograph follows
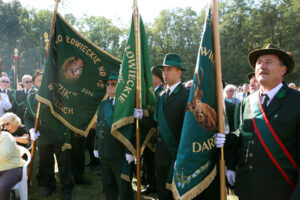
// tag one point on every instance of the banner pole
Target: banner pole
(39, 103)
(218, 73)
(138, 95)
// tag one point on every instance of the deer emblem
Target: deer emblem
(204, 114)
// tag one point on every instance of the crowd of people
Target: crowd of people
(261, 147)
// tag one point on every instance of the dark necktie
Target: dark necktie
(166, 96)
(265, 100)
(112, 102)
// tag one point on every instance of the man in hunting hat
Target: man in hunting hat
(266, 152)
(158, 80)
(48, 144)
(110, 150)
(253, 83)
(171, 107)
(148, 164)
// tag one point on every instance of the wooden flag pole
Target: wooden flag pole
(219, 86)
(138, 94)
(39, 104)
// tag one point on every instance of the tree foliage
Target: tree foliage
(245, 25)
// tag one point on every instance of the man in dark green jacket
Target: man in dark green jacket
(171, 108)
(20, 97)
(110, 150)
(48, 144)
(266, 151)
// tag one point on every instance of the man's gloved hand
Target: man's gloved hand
(34, 135)
(220, 140)
(230, 175)
(138, 113)
(96, 154)
(129, 158)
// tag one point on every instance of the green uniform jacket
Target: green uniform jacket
(19, 102)
(258, 178)
(174, 111)
(107, 145)
(47, 136)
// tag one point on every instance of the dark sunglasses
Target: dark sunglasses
(5, 81)
(112, 84)
(6, 124)
(28, 81)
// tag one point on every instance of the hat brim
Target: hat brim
(161, 66)
(284, 57)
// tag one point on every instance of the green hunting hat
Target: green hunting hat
(157, 72)
(272, 49)
(113, 76)
(250, 75)
(172, 60)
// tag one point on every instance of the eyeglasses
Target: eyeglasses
(111, 84)
(28, 81)
(5, 81)
(6, 124)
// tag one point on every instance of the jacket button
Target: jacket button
(252, 142)
(250, 154)
(250, 167)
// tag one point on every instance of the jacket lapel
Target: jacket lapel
(173, 95)
(275, 103)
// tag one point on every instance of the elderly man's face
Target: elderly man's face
(111, 87)
(27, 82)
(268, 71)
(4, 83)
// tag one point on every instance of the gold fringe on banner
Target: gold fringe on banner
(195, 191)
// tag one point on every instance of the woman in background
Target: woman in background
(12, 124)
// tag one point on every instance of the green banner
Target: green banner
(195, 166)
(123, 127)
(74, 78)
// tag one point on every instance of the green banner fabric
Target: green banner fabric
(195, 165)
(74, 78)
(123, 127)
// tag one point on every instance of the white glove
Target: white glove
(138, 113)
(34, 135)
(230, 175)
(96, 154)
(220, 140)
(129, 158)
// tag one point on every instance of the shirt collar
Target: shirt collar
(156, 88)
(114, 99)
(272, 92)
(172, 88)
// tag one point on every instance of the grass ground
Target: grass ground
(80, 192)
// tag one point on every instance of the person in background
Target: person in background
(4, 74)
(12, 124)
(11, 164)
(4, 87)
(189, 84)
(158, 80)
(229, 91)
(254, 84)
(293, 85)
(20, 96)
(5, 104)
